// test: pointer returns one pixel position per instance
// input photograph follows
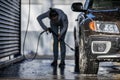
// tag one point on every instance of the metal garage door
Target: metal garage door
(9, 28)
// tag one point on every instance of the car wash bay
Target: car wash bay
(14, 16)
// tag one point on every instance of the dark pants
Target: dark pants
(56, 42)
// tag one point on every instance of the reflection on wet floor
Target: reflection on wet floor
(41, 69)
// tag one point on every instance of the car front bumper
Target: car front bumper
(105, 47)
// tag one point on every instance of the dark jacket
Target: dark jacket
(62, 19)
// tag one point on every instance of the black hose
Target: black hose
(26, 35)
(38, 44)
(26, 31)
(38, 41)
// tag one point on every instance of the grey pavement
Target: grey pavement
(40, 69)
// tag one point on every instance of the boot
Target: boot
(62, 64)
(54, 63)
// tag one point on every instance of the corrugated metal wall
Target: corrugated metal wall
(9, 27)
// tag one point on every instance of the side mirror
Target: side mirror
(77, 7)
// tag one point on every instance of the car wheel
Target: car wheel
(86, 65)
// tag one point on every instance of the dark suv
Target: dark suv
(97, 35)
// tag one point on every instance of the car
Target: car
(97, 34)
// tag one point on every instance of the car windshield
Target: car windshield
(104, 4)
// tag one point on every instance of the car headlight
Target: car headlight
(107, 27)
(100, 47)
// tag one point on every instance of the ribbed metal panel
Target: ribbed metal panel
(9, 27)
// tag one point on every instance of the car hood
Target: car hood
(104, 15)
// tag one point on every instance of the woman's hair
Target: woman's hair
(52, 13)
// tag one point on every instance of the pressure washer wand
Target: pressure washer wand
(50, 30)
(69, 47)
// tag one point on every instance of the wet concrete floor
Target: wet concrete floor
(41, 70)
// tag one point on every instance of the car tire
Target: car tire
(86, 65)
